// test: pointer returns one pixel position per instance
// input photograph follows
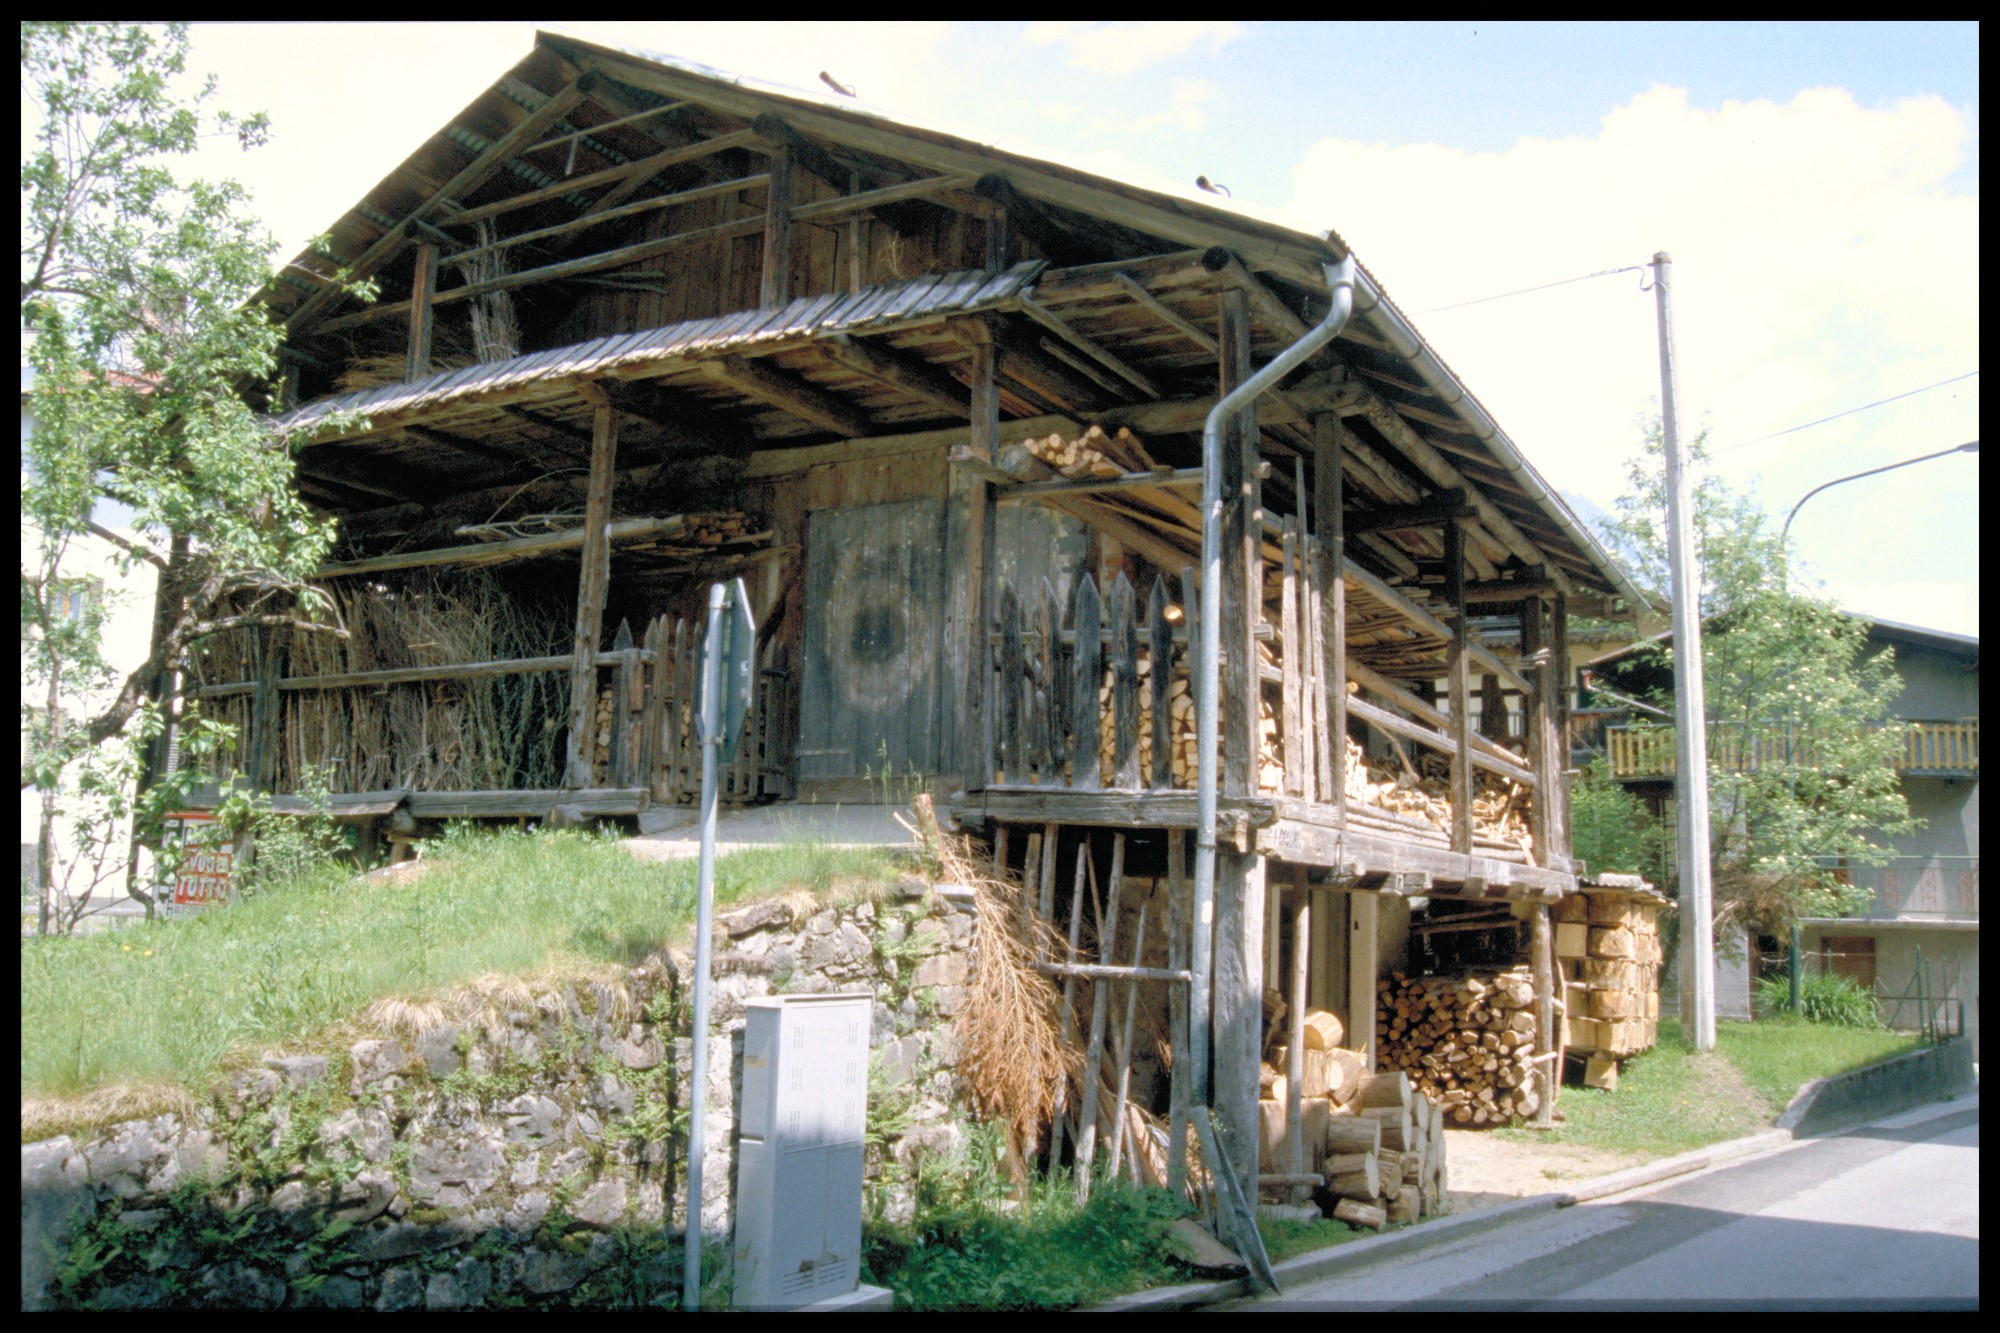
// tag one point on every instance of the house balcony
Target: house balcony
(1918, 890)
(1931, 748)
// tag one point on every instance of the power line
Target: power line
(1564, 282)
(1848, 413)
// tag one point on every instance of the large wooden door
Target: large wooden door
(875, 609)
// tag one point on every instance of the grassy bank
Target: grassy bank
(172, 1004)
(1672, 1098)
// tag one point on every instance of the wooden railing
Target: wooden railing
(648, 738)
(1928, 747)
(1066, 689)
(1086, 695)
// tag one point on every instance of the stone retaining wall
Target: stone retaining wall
(504, 1148)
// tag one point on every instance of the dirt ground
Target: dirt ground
(1484, 1168)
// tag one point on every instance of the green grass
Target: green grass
(1777, 1054)
(174, 1003)
(1285, 1240)
(1048, 1255)
(1672, 1099)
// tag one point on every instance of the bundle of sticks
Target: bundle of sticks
(1373, 1149)
(1468, 1044)
(1499, 808)
(1095, 453)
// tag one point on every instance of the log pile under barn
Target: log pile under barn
(1373, 1146)
(1468, 1044)
(1607, 943)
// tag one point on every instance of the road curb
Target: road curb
(1440, 1231)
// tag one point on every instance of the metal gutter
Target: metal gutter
(1340, 282)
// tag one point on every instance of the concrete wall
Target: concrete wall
(515, 1147)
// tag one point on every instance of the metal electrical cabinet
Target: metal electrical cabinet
(799, 1152)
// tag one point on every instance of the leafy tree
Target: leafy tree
(146, 361)
(1799, 753)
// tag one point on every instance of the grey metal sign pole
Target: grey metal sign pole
(727, 658)
(1697, 960)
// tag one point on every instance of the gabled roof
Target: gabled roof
(569, 127)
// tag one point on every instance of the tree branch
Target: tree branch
(129, 547)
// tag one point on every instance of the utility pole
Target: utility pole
(1697, 955)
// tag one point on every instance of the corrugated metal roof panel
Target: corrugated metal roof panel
(832, 312)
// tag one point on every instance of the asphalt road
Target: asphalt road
(1885, 1216)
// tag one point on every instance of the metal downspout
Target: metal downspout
(1340, 283)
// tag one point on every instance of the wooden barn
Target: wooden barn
(642, 325)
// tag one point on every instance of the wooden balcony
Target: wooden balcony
(1092, 721)
(1930, 748)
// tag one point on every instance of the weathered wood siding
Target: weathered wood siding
(873, 634)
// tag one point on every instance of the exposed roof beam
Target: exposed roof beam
(1367, 404)
(912, 375)
(1430, 512)
(468, 178)
(788, 392)
(649, 249)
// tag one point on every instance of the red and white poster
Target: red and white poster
(203, 879)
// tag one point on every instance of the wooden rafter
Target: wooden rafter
(468, 178)
(788, 392)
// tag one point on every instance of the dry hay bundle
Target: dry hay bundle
(486, 733)
(1014, 1063)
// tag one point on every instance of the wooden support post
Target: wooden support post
(1539, 724)
(1069, 984)
(1557, 794)
(1242, 562)
(1361, 968)
(591, 584)
(1458, 680)
(775, 288)
(1100, 1011)
(423, 287)
(1548, 1073)
(1492, 708)
(857, 235)
(1291, 724)
(1321, 980)
(1295, 1061)
(996, 236)
(1329, 507)
(261, 756)
(976, 722)
(1179, 944)
(1238, 1016)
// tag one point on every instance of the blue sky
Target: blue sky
(1817, 185)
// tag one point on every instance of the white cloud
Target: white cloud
(1118, 49)
(1183, 112)
(1926, 603)
(1820, 262)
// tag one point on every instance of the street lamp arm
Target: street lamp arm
(1969, 447)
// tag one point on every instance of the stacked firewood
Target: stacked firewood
(1374, 1148)
(1468, 1044)
(601, 730)
(1183, 752)
(717, 529)
(1499, 808)
(1095, 453)
(1608, 945)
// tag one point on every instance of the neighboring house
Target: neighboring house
(1925, 903)
(95, 585)
(643, 326)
